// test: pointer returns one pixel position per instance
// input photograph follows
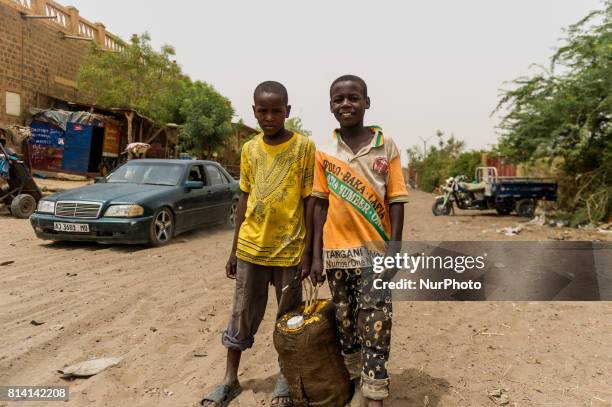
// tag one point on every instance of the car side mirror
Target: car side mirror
(194, 184)
(99, 180)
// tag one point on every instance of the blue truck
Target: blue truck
(490, 191)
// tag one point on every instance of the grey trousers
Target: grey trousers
(251, 298)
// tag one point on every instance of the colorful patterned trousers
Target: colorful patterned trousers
(363, 316)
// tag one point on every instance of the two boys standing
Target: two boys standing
(298, 210)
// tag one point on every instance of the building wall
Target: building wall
(35, 62)
(230, 154)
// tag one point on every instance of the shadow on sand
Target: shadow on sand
(410, 388)
(414, 388)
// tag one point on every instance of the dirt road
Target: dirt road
(155, 306)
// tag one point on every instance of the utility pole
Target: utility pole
(424, 145)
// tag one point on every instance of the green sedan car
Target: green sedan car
(145, 201)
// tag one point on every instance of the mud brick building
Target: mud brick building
(42, 45)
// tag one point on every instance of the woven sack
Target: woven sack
(310, 357)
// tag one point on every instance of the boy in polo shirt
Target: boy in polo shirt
(271, 245)
(360, 194)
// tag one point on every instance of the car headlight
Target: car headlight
(46, 206)
(124, 211)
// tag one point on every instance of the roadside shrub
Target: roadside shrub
(466, 164)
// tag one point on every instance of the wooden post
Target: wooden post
(130, 137)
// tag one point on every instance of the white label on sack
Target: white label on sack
(295, 322)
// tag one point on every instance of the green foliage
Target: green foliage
(138, 77)
(149, 81)
(207, 119)
(466, 164)
(295, 124)
(569, 115)
(439, 162)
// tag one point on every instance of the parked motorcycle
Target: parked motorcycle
(456, 190)
(504, 194)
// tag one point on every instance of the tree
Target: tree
(466, 164)
(295, 124)
(149, 81)
(138, 78)
(566, 111)
(207, 119)
(436, 165)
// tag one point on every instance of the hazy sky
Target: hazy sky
(429, 64)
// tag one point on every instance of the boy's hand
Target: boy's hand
(304, 266)
(393, 248)
(230, 267)
(316, 272)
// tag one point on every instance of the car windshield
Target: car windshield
(152, 174)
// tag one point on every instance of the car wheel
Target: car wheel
(439, 209)
(23, 206)
(162, 227)
(231, 216)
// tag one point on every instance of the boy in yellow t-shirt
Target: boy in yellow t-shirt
(272, 241)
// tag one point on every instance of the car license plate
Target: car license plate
(71, 227)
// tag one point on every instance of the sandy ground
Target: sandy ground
(155, 306)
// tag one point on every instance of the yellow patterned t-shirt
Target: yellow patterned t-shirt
(277, 179)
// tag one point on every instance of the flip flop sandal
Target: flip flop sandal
(221, 395)
(282, 390)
